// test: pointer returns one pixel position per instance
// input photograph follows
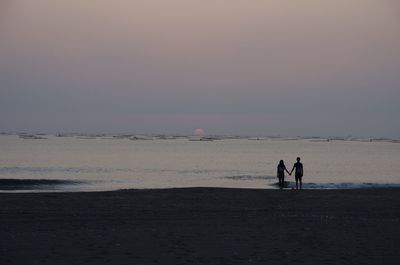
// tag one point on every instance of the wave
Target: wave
(33, 184)
(249, 177)
(272, 181)
(349, 185)
(340, 185)
(71, 170)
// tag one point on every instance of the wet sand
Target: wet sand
(201, 226)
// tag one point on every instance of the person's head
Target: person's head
(281, 163)
(298, 159)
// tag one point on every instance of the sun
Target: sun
(198, 131)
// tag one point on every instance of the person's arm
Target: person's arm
(292, 170)
(287, 171)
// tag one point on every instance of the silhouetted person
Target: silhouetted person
(298, 174)
(281, 173)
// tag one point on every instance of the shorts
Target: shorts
(298, 177)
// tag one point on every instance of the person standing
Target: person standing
(298, 174)
(281, 173)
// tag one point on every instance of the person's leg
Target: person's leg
(297, 183)
(301, 183)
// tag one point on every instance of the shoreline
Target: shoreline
(201, 226)
(71, 185)
(271, 188)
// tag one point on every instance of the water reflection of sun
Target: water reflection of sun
(198, 131)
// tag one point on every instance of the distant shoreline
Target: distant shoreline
(191, 137)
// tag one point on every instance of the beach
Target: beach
(201, 226)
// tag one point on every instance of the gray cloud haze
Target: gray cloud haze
(310, 67)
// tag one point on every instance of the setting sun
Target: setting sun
(198, 131)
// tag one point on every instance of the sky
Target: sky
(260, 67)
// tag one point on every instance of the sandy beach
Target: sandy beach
(201, 226)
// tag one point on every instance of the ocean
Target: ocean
(104, 163)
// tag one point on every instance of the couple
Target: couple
(298, 167)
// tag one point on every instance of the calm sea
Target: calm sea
(71, 164)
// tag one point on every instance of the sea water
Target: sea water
(72, 164)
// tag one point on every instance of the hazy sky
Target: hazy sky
(259, 67)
